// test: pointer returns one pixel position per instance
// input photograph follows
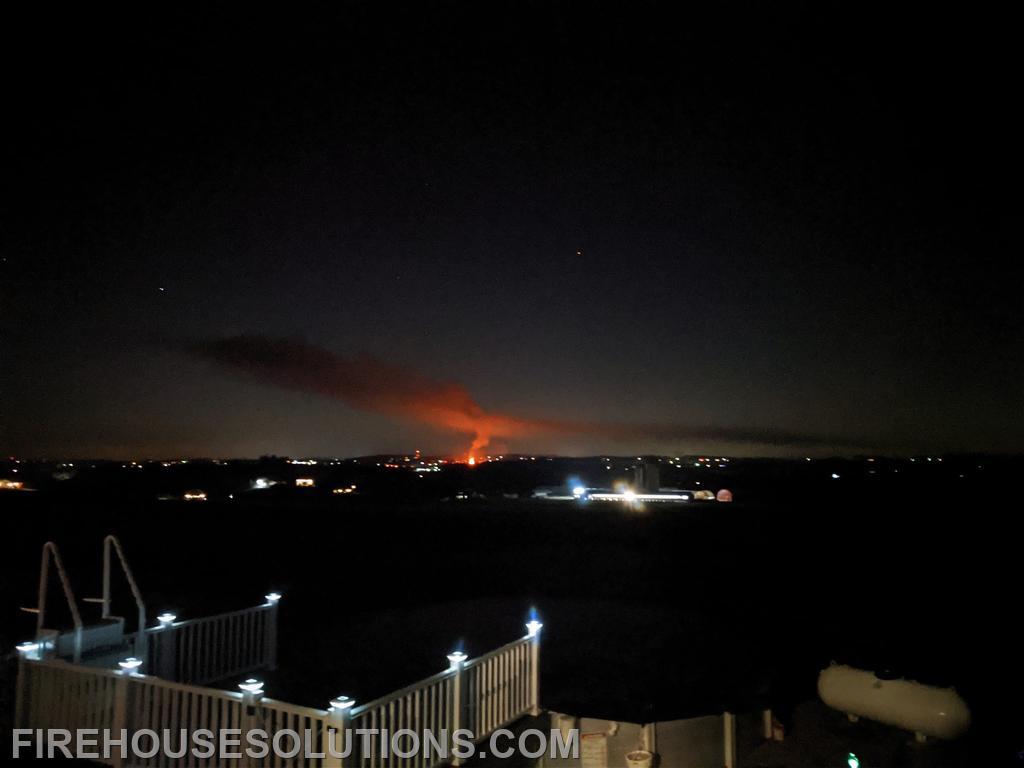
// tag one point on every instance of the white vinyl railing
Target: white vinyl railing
(498, 686)
(477, 696)
(56, 694)
(428, 705)
(213, 648)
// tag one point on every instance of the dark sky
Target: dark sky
(591, 229)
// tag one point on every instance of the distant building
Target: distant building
(646, 477)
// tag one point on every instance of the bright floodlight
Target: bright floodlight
(252, 685)
(455, 658)
(342, 702)
(273, 597)
(533, 627)
(166, 618)
(578, 491)
(129, 665)
(28, 648)
(835, 475)
(629, 496)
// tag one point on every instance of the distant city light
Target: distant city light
(304, 482)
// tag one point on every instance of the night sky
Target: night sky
(553, 227)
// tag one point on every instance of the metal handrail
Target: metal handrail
(49, 548)
(109, 541)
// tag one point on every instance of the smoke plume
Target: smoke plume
(367, 383)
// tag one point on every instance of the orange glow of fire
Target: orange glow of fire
(471, 461)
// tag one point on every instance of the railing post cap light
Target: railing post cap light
(166, 618)
(129, 665)
(455, 658)
(533, 627)
(30, 649)
(341, 703)
(252, 685)
(272, 597)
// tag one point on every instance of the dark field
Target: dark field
(658, 614)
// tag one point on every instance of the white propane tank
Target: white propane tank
(564, 724)
(923, 709)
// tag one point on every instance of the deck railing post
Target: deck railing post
(19, 691)
(166, 642)
(335, 736)
(456, 659)
(270, 662)
(729, 739)
(533, 628)
(252, 695)
(119, 719)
